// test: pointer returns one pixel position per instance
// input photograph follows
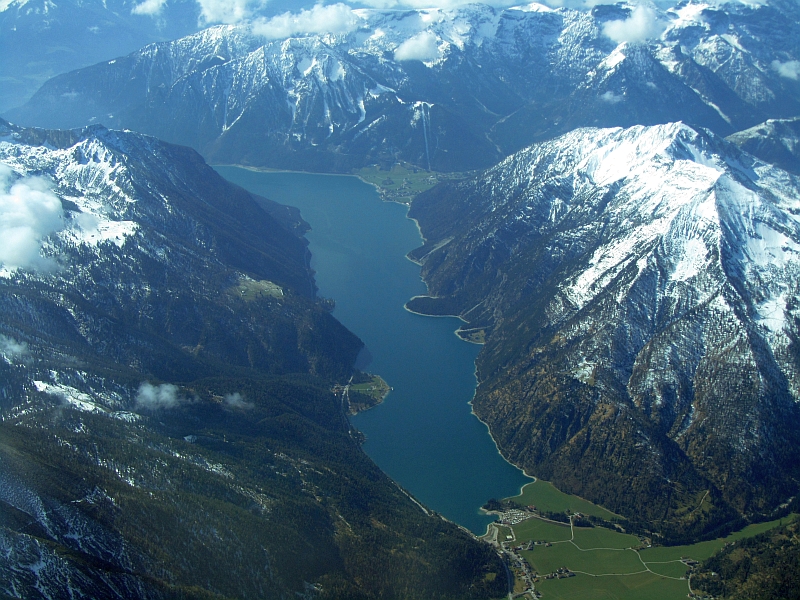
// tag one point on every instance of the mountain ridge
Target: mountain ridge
(167, 425)
(631, 284)
(492, 81)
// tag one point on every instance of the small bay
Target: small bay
(424, 435)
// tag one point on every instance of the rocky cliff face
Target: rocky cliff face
(639, 289)
(167, 425)
(446, 89)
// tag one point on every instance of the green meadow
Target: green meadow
(704, 550)
(546, 560)
(375, 387)
(643, 586)
(541, 530)
(545, 497)
(403, 181)
(608, 564)
(598, 537)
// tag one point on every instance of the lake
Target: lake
(424, 435)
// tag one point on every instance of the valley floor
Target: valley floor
(558, 560)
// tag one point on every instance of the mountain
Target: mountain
(776, 141)
(637, 293)
(758, 568)
(43, 38)
(167, 426)
(452, 89)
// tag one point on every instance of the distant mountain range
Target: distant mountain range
(447, 89)
(637, 290)
(43, 38)
(167, 426)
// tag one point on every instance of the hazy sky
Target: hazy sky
(644, 22)
(233, 11)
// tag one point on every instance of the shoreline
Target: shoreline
(455, 331)
(475, 371)
(414, 312)
(272, 170)
(377, 187)
(529, 478)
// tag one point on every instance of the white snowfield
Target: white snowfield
(88, 179)
(678, 222)
(331, 80)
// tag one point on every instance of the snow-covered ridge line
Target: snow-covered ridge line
(639, 287)
(492, 81)
(83, 173)
(673, 185)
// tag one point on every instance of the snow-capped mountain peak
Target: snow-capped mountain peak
(495, 79)
(637, 286)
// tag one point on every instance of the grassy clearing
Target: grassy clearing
(547, 498)
(376, 388)
(599, 537)
(704, 550)
(403, 181)
(503, 532)
(644, 586)
(669, 569)
(249, 289)
(596, 562)
(539, 530)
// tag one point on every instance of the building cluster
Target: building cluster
(561, 573)
(514, 516)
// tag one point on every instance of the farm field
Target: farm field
(403, 181)
(704, 550)
(588, 538)
(594, 562)
(573, 563)
(644, 586)
(540, 530)
(546, 498)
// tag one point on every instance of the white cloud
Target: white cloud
(228, 11)
(443, 4)
(423, 46)
(235, 400)
(661, 4)
(336, 18)
(29, 212)
(611, 97)
(789, 69)
(11, 348)
(381, 3)
(576, 4)
(642, 24)
(154, 397)
(149, 7)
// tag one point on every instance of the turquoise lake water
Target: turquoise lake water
(424, 435)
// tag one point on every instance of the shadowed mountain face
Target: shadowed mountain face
(167, 428)
(488, 83)
(41, 38)
(637, 286)
(776, 141)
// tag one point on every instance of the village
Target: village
(510, 550)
